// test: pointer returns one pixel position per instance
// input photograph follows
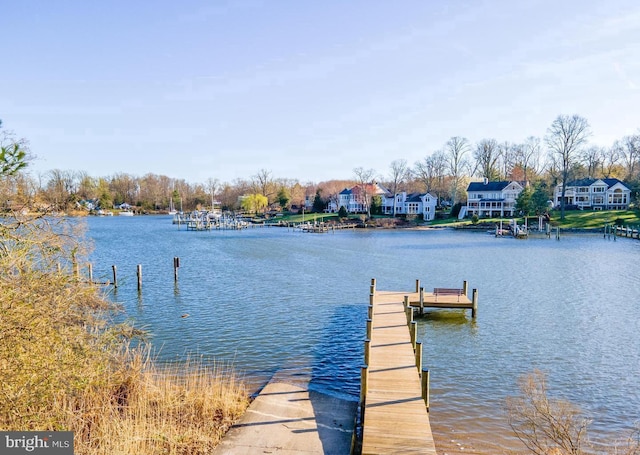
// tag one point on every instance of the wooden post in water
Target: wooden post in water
(417, 285)
(115, 276)
(425, 387)
(371, 299)
(405, 302)
(176, 266)
(90, 267)
(474, 303)
(465, 288)
(557, 232)
(419, 356)
(373, 285)
(370, 312)
(413, 330)
(421, 300)
(139, 274)
(369, 328)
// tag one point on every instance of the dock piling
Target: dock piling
(139, 275)
(425, 387)
(369, 322)
(176, 266)
(414, 333)
(367, 347)
(474, 302)
(115, 276)
(419, 355)
(90, 271)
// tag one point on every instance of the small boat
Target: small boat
(125, 213)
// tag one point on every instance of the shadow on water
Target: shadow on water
(338, 354)
(446, 317)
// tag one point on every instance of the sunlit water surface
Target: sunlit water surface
(271, 299)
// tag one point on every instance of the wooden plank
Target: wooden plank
(395, 416)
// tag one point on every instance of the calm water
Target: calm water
(270, 300)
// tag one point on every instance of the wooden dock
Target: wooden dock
(444, 298)
(394, 395)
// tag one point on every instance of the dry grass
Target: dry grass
(63, 367)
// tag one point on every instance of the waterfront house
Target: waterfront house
(594, 194)
(419, 204)
(492, 199)
(353, 199)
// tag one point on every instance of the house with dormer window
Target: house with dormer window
(594, 194)
(492, 199)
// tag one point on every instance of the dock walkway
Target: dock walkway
(288, 418)
(395, 418)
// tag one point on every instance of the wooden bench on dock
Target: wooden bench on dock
(447, 291)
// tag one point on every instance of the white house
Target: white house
(596, 194)
(492, 199)
(353, 199)
(411, 204)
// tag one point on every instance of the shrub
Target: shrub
(474, 219)
(342, 213)
(63, 367)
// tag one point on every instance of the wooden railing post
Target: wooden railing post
(419, 356)
(413, 330)
(367, 347)
(425, 387)
(115, 276)
(364, 380)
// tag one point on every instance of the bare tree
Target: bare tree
(486, 157)
(591, 158)
(528, 156)
(545, 426)
(262, 183)
(212, 185)
(565, 137)
(431, 173)
(399, 172)
(364, 179)
(455, 152)
(508, 153)
(610, 159)
(629, 149)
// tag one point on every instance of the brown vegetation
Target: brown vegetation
(63, 367)
(549, 426)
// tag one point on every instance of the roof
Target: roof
(345, 191)
(489, 186)
(589, 182)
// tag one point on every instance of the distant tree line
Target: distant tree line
(562, 155)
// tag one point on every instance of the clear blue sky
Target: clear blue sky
(305, 89)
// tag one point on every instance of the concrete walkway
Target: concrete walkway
(290, 419)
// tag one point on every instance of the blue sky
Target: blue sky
(305, 89)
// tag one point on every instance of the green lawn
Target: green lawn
(574, 219)
(587, 219)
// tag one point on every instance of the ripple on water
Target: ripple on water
(270, 300)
